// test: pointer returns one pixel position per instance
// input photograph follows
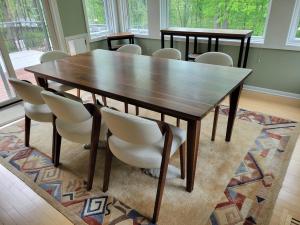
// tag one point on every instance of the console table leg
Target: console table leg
(187, 39)
(247, 52)
(241, 52)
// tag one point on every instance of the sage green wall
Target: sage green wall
(272, 69)
(72, 17)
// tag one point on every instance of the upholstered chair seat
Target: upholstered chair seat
(40, 113)
(34, 106)
(167, 53)
(145, 156)
(142, 143)
(215, 58)
(78, 123)
(131, 49)
(135, 50)
(79, 132)
(56, 55)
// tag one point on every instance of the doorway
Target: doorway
(24, 37)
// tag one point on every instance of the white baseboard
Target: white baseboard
(272, 92)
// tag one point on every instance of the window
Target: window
(98, 20)
(135, 16)
(226, 14)
(294, 33)
(298, 30)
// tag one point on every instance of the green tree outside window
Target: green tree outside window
(227, 14)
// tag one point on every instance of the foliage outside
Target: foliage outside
(22, 25)
(298, 31)
(96, 17)
(138, 16)
(227, 14)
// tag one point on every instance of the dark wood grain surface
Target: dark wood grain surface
(221, 33)
(184, 89)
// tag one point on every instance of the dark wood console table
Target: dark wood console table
(119, 36)
(243, 35)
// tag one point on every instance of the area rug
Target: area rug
(250, 169)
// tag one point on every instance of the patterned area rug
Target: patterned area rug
(247, 199)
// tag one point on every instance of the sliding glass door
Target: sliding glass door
(24, 38)
(7, 95)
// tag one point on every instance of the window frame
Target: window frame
(124, 18)
(292, 40)
(110, 17)
(255, 39)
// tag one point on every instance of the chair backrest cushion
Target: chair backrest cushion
(53, 55)
(66, 109)
(27, 92)
(130, 128)
(131, 48)
(168, 53)
(215, 58)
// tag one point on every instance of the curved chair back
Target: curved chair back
(52, 55)
(130, 48)
(168, 53)
(27, 92)
(130, 128)
(215, 58)
(66, 109)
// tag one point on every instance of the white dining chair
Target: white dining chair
(131, 49)
(76, 122)
(51, 56)
(142, 143)
(135, 50)
(167, 53)
(34, 106)
(215, 58)
(56, 55)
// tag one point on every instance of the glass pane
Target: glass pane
(298, 31)
(6, 92)
(227, 14)
(138, 16)
(25, 34)
(95, 10)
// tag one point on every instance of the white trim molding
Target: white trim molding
(272, 92)
(57, 25)
(78, 44)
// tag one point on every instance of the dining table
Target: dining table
(185, 90)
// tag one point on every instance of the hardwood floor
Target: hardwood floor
(20, 205)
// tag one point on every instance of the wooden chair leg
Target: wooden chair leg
(53, 139)
(137, 110)
(126, 107)
(94, 98)
(92, 163)
(57, 149)
(162, 117)
(27, 130)
(213, 135)
(107, 169)
(182, 160)
(78, 93)
(104, 101)
(162, 175)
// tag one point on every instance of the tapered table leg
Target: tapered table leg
(233, 101)
(193, 134)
